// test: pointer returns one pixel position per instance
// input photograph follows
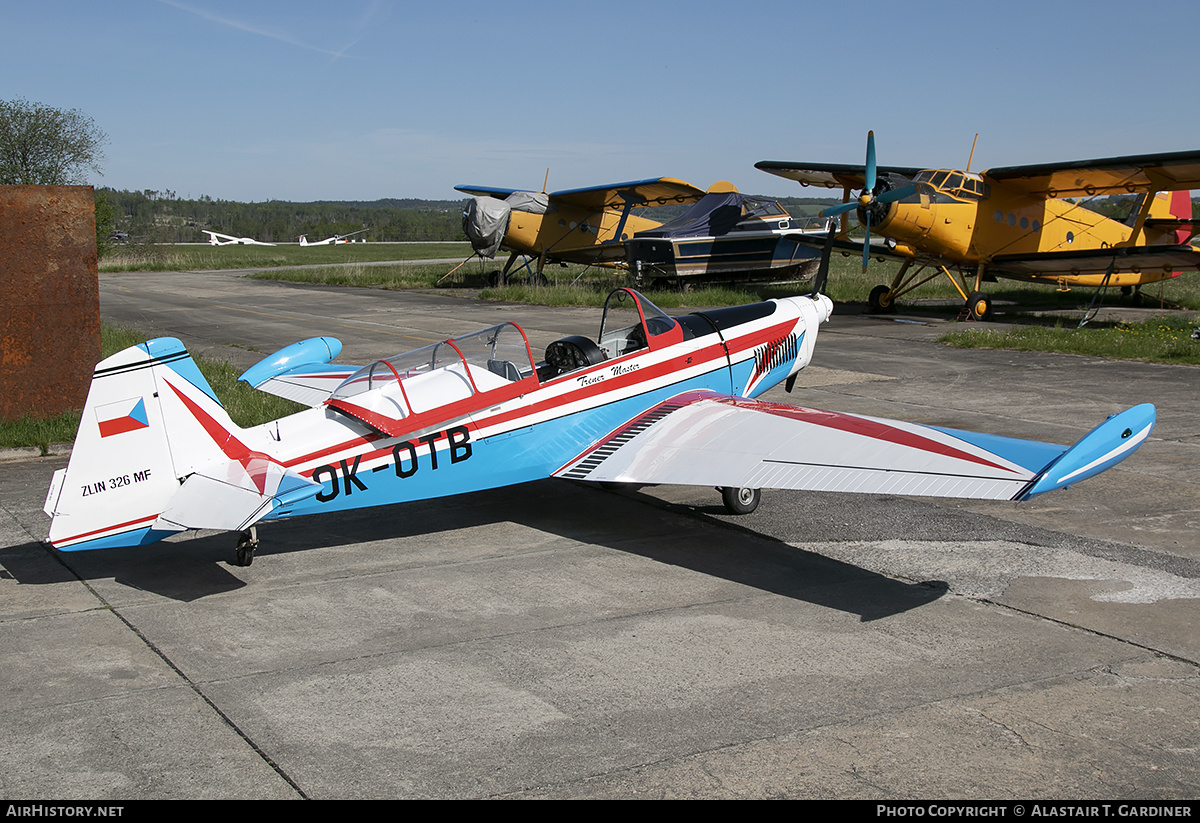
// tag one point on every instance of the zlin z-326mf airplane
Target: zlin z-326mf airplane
(1019, 222)
(653, 399)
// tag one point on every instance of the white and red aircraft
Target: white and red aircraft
(653, 399)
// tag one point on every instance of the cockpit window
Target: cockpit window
(950, 186)
(426, 378)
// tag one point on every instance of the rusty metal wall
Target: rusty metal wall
(49, 299)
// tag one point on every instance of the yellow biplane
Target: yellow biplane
(587, 226)
(1017, 222)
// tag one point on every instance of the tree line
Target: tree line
(162, 217)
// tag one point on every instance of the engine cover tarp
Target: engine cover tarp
(485, 220)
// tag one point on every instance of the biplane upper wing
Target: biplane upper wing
(1173, 171)
(1098, 261)
(709, 439)
(829, 175)
(657, 191)
(486, 191)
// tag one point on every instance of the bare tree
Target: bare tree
(41, 145)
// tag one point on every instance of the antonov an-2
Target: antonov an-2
(653, 399)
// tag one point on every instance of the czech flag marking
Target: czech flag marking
(123, 416)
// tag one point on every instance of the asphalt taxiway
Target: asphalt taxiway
(558, 640)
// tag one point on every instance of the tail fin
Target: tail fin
(1169, 219)
(156, 454)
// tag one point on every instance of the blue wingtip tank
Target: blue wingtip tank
(1101, 448)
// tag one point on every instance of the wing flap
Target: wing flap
(702, 438)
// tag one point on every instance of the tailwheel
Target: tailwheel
(979, 305)
(880, 300)
(740, 501)
(247, 543)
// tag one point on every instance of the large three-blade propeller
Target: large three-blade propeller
(870, 197)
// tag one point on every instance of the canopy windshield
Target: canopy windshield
(628, 316)
(426, 378)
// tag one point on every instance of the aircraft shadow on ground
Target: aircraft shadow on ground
(190, 568)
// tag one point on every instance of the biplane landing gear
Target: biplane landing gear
(740, 501)
(495, 278)
(1134, 293)
(979, 305)
(247, 543)
(879, 300)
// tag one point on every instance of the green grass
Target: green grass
(1165, 339)
(411, 276)
(194, 257)
(247, 406)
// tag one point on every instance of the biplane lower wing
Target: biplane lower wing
(1159, 260)
(708, 439)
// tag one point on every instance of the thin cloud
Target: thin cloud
(280, 36)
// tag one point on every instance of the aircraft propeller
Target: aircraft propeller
(870, 197)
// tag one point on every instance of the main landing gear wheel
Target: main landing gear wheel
(495, 278)
(740, 501)
(979, 305)
(247, 543)
(880, 300)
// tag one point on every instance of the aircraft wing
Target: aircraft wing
(829, 175)
(1111, 175)
(485, 191)
(301, 372)
(707, 439)
(1096, 261)
(658, 191)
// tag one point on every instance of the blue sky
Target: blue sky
(364, 99)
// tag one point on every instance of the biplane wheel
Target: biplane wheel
(1137, 299)
(880, 300)
(740, 501)
(980, 305)
(495, 279)
(247, 543)
(538, 280)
